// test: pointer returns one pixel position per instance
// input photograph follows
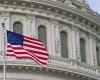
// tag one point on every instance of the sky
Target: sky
(94, 5)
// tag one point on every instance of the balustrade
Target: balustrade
(74, 65)
(57, 63)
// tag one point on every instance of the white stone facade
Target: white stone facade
(77, 20)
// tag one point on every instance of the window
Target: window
(42, 34)
(98, 56)
(64, 44)
(17, 27)
(82, 50)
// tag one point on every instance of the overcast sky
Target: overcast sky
(94, 5)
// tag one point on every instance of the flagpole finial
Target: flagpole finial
(3, 24)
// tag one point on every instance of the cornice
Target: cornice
(52, 4)
(64, 7)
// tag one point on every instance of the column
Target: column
(31, 26)
(92, 50)
(75, 44)
(74, 47)
(55, 38)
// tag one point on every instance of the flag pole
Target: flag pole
(4, 53)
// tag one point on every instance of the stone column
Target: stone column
(31, 26)
(74, 47)
(92, 50)
(55, 38)
(75, 44)
(94, 53)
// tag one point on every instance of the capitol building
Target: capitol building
(69, 29)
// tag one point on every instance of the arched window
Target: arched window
(64, 44)
(82, 50)
(17, 27)
(98, 56)
(42, 34)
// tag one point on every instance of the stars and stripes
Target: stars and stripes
(23, 47)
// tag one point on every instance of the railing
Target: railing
(59, 63)
(74, 66)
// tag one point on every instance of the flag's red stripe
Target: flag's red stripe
(19, 48)
(27, 53)
(38, 56)
(33, 42)
(31, 54)
(41, 57)
(25, 57)
(37, 52)
(30, 57)
(32, 51)
(32, 38)
(27, 45)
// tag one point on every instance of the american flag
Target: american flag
(23, 47)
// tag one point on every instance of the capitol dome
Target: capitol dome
(68, 28)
